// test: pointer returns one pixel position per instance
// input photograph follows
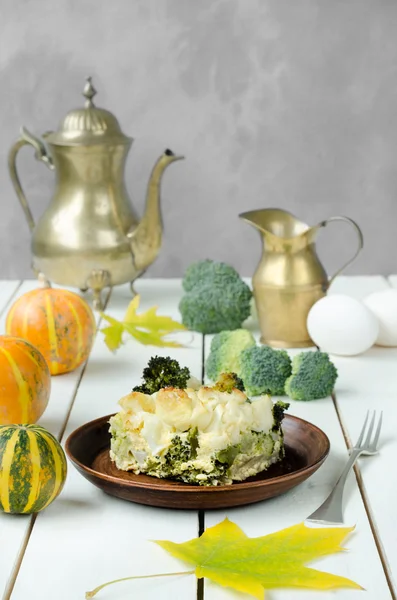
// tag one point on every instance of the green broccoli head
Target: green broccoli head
(227, 382)
(225, 351)
(313, 376)
(264, 370)
(208, 272)
(214, 308)
(278, 413)
(161, 372)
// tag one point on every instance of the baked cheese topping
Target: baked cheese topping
(199, 436)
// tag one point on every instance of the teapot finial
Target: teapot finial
(89, 92)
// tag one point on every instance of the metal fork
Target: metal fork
(330, 512)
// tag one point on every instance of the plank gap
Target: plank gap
(11, 298)
(14, 574)
(201, 529)
(365, 501)
(201, 521)
(200, 589)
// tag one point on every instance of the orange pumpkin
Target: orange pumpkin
(25, 382)
(58, 322)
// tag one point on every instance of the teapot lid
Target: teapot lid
(89, 125)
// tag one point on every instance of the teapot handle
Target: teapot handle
(42, 153)
(360, 242)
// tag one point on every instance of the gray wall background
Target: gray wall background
(274, 103)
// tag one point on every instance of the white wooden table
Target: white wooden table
(86, 537)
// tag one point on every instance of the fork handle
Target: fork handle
(331, 509)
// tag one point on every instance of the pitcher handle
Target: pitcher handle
(360, 242)
(42, 153)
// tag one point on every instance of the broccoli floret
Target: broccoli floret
(264, 370)
(208, 272)
(228, 455)
(313, 376)
(227, 382)
(179, 451)
(214, 308)
(161, 372)
(225, 351)
(216, 298)
(278, 413)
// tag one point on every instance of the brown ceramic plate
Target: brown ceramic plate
(306, 448)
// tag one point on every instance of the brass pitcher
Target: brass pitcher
(89, 236)
(289, 278)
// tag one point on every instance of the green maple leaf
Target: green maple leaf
(228, 557)
(148, 328)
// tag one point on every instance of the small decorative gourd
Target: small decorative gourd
(58, 322)
(25, 381)
(33, 468)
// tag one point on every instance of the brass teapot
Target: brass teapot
(90, 237)
(289, 278)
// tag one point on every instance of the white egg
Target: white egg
(384, 306)
(342, 325)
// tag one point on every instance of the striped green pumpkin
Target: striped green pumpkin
(32, 468)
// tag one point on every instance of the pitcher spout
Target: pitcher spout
(145, 239)
(275, 222)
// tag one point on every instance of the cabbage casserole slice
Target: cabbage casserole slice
(198, 435)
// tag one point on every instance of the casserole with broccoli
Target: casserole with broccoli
(173, 427)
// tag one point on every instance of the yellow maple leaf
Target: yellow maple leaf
(228, 557)
(148, 328)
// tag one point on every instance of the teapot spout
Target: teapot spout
(145, 240)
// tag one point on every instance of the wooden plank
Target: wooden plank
(369, 382)
(85, 537)
(15, 528)
(362, 563)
